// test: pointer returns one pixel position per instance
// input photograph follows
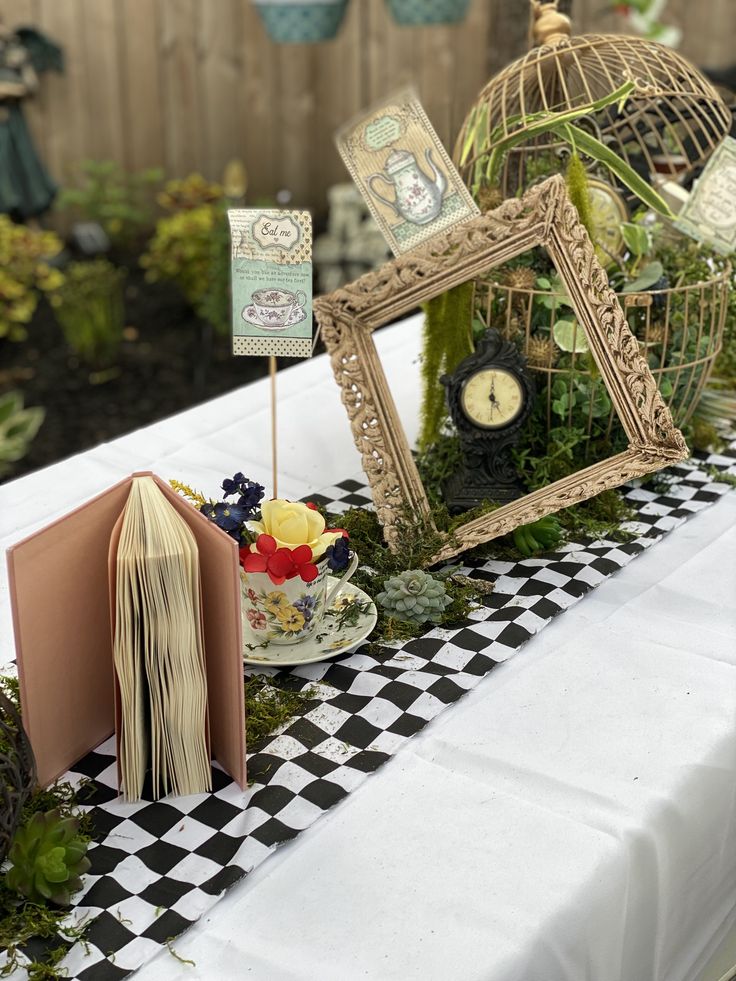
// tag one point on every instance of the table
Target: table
(573, 817)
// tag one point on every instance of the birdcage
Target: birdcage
(669, 124)
(17, 771)
(679, 330)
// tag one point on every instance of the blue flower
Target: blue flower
(338, 554)
(233, 486)
(251, 494)
(229, 517)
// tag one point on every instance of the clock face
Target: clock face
(608, 211)
(492, 398)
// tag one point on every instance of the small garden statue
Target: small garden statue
(26, 190)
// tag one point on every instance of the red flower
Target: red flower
(280, 563)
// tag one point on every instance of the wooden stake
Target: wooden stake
(274, 463)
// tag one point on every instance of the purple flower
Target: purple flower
(306, 606)
(338, 554)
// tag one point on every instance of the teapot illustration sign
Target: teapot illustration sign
(417, 197)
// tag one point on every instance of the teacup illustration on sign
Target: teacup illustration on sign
(418, 198)
(275, 308)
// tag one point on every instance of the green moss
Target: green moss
(579, 191)
(268, 705)
(599, 517)
(448, 338)
(436, 464)
(21, 922)
(10, 687)
(722, 478)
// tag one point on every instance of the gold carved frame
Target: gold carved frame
(544, 216)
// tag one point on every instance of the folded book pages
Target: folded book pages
(127, 619)
(158, 648)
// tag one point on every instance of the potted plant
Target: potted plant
(300, 22)
(422, 12)
(89, 308)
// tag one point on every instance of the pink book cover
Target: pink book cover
(60, 596)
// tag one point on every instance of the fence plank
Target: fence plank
(335, 104)
(259, 113)
(103, 115)
(181, 91)
(140, 73)
(222, 129)
(190, 84)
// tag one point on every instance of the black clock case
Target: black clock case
(487, 472)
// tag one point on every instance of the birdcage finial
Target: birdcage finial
(549, 26)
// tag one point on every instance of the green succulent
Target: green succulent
(414, 596)
(538, 536)
(48, 858)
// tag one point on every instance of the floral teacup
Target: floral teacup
(290, 612)
(275, 306)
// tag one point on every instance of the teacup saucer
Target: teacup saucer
(329, 639)
(296, 316)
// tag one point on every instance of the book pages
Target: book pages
(158, 650)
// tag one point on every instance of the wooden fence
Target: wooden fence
(191, 84)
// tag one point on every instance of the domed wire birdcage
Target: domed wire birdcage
(669, 124)
(17, 771)
(679, 330)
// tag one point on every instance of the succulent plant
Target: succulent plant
(414, 596)
(538, 536)
(48, 858)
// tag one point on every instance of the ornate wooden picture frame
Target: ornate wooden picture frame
(544, 216)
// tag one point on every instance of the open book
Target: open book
(158, 649)
(127, 619)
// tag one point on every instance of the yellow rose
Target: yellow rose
(292, 524)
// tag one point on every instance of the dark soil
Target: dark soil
(168, 362)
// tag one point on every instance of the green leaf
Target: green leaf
(594, 148)
(569, 336)
(9, 405)
(535, 124)
(637, 238)
(647, 277)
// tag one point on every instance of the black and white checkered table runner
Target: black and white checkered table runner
(159, 866)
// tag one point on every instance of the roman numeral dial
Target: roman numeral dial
(492, 398)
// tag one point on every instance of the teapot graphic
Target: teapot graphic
(418, 199)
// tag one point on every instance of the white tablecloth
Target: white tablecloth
(572, 819)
